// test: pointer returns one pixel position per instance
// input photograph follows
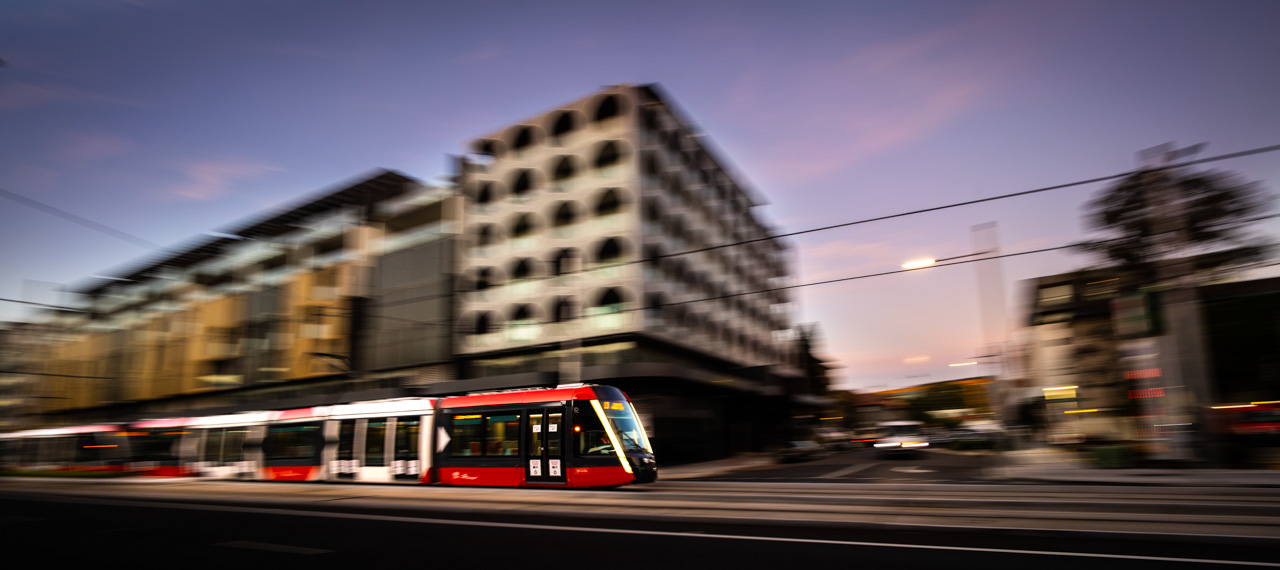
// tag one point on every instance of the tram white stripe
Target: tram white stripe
(525, 526)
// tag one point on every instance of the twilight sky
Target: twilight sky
(168, 118)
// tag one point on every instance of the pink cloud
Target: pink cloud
(208, 180)
(81, 149)
(25, 95)
(479, 55)
(871, 101)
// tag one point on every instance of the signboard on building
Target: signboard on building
(1135, 314)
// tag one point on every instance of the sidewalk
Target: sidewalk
(1041, 465)
(1053, 465)
(709, 468)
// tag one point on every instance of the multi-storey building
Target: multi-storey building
(606, 241)
(330, 295)
(603, 241)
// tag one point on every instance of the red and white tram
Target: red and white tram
(568, 436)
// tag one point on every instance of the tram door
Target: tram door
(544, 456)
(406, 466)
(374, 465)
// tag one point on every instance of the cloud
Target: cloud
(479, 55)
(207, 180)
(14, 96)
(82, 149)
(870, 101)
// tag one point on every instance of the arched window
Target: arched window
(609, 107)
(565, 214)
(610, 301)
(522, 269)
(488, 234)
(485, 194)
(565, 261)
(610, 153)
(522, 182)
(611, 250)
(610, 202)
(488, 147)
(564, 169)
(524, 138)
(563, 310)
(523, 227)
(485, 278)
(484, 323)
(522, 314)
(564, 124)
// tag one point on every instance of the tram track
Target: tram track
(1173, 513)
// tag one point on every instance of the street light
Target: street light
(928, 261)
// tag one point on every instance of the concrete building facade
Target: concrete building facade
(606, 241)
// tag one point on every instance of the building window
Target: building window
(609, 107)
(610, 153)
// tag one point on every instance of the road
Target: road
(866, 466)
(847, 509)
(58, 531)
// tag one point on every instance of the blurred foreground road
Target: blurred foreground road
(668, 524)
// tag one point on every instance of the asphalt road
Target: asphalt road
(868, 466)
(53, 531)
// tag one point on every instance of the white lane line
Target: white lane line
(847, 470)
(558, 528)
(912, 469)
(267, 546)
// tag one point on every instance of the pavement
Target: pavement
(1043, 465)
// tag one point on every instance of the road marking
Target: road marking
(250, 545)
(847, 470)
(560, 528)
(912, 469)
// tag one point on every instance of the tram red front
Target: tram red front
(587, 436)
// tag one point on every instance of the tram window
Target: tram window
(468, 436)
(233, 444)
(375, 439)
(553, 434)
(213, 445)
(477, 435)
(347, 439)
(591, 439)
(406, 439)
(291, 441)
(503, 436)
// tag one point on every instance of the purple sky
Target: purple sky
(168, 118)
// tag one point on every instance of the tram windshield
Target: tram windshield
(624, 422)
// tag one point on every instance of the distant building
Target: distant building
(1147, 366)
(287, 305)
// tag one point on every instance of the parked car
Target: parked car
(833, 438)
(867, 436)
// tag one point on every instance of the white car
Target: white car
(901, 437)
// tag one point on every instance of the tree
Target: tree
(1160, 215)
